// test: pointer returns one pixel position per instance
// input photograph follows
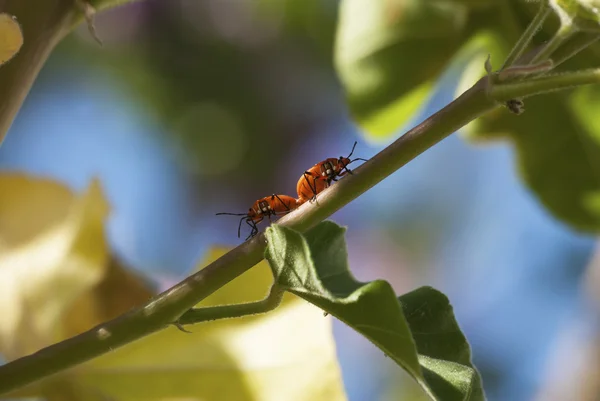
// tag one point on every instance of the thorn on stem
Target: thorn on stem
(488, 65)
(180, 327)
(89, 12)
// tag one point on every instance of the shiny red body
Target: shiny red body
(329, 169)
(273, 205)
(309, 185)
(314, 180)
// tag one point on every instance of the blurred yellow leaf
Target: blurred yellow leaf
(288, 354)
(57, 280)
(52, 250)
(119, 291)
(11, 37)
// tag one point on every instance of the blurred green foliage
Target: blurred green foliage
(233, 92)
(387, 80)
(216, 86)
(232, 83)
(222, 94)
(390, 53)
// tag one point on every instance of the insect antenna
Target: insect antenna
(244, 217)
(351, 161)
(352, 151)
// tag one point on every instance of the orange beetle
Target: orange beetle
(320, 176)
(309, 185)
(274, 205)
(329, 169)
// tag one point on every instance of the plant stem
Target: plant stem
(44, 23)
(564, 33)
(199, 315)
(527, 36)
(548, 83)
(169, 306)
(524, 70)
(573, 47)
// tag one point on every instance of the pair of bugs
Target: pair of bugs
(312, 182)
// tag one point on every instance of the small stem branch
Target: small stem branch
(549, 83)
(563, 34)
(43, 23)
(527, 36)
(574, 46)
(517, 71)
(199, 315)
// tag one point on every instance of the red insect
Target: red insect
(274, 205)
(320, 176)
(309, 185)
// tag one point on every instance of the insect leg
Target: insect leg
(254, 228)
(312, 187)
(240, 225)
(282, 202)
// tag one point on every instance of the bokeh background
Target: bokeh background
(196, 107)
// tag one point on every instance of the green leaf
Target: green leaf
(584, 13)
(418, 330)
(104, 4)
(389, 53)
(557, 141)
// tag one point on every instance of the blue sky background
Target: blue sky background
(457, 218)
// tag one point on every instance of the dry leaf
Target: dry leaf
(11, 37)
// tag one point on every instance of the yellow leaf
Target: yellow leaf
(251, 286)
(52, 250)
(11, 37)
(287, 354)
(119, 291)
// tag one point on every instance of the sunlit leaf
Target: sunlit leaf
(52, 250)
(103, 4)
(11, 37)
(418, 330)
(389, 53)
(584, 13)
(286, 354)
(557, 141)
(119, 291)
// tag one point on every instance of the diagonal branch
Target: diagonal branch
(167, 308)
